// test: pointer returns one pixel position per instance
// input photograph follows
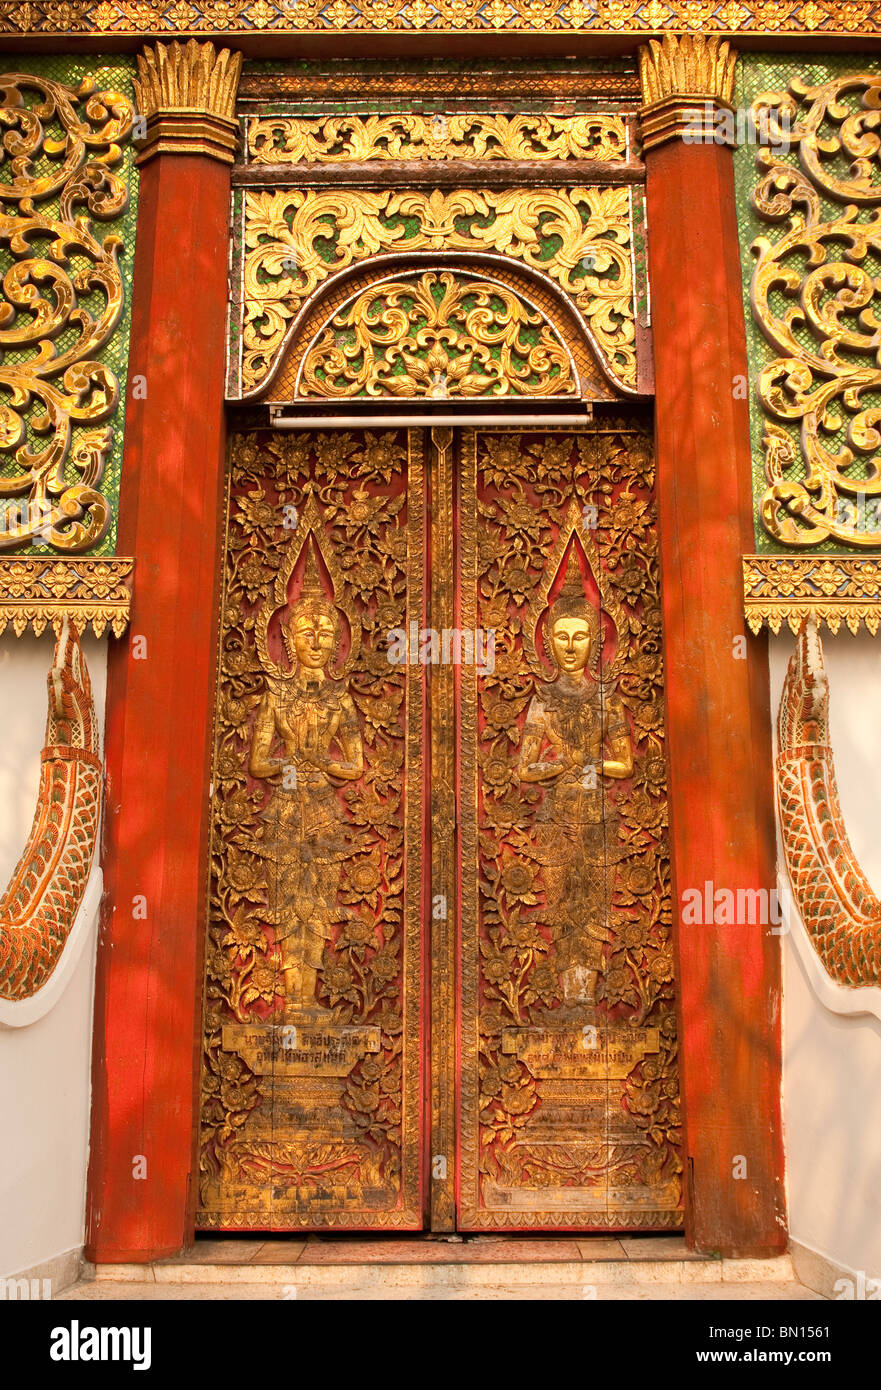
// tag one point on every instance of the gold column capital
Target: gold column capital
(686, 79)
(187, 93)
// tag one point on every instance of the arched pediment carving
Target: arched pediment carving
(430, 328)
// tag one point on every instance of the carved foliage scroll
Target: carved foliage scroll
(814, 296)
(334, 139)
(62, 300)
(296, 238)
(438, 335)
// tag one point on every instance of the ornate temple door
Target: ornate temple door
(312, 1077)
(568, 1092)
(439, 981)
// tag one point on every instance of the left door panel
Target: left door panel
(312, 1052)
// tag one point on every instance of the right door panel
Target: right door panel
(568, 1095)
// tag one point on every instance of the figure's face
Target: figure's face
(571, 644)
(313, 638)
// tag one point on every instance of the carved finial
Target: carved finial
(188, 94)
(689, 65)
(313, 589)
(685, 79)
(573, 584)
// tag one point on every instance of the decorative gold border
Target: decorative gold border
(818, 19)
(827, 588)
(36, 590)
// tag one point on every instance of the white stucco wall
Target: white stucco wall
(44, 1067)
(831, 1062)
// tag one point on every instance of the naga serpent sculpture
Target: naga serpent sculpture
(39, 907)
(839, 910)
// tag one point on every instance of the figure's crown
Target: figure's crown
(312, 589)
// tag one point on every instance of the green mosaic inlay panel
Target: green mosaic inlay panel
(757, 76)
(108, 74)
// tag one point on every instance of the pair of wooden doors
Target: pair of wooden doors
(439, 983)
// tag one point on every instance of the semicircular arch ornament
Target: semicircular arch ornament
(392, 328)
(437, 333)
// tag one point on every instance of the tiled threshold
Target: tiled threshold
(488, 1262)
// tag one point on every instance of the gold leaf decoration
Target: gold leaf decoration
(814, 295)
(56, 389)
(438, 335)
(36, 591)
(687, 65)
(134, 18)
(333, 139)
(830, 589)
(579, 237)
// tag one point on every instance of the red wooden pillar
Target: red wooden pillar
(719, 730)
(160, 680)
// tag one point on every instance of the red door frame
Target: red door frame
(160, 696)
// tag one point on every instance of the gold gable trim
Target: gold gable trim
(139, 19)
(829, 589)
(37, 591)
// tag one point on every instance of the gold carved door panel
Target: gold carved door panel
(439, 981)
(312, 1069)
(567, 1056)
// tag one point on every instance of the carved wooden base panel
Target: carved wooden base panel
(439, 979)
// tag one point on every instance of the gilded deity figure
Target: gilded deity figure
(313, 717)
(576, 735)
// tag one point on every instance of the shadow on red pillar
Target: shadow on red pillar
(718, 717)
(158, 732)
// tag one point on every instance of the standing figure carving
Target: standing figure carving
(312, 716)
(576, 734)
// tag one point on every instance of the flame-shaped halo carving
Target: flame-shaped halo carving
(573, 526)
(309, 533)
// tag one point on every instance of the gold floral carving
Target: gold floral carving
(839, 910)
(830, 589)
(36, 591)
(566, 919)
(332, 139)
(310, 1084)
(815, 298)
(296, 238)
(59, 396)
(814, 19)
(438, 335)
(39, 907)
(188, 94)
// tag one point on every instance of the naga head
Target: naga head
(804, 704)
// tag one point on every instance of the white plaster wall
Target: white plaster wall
(45, 1067)
(832, 1063)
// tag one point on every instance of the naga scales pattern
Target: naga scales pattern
(841, 913)
(38, 908)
